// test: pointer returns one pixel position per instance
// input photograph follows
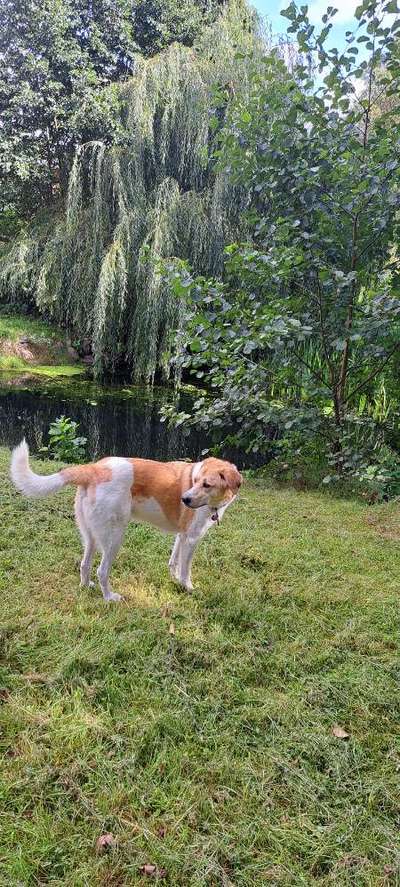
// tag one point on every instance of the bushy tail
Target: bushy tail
(29, 483)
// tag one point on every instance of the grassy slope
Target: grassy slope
(13, 327)
(221, 733)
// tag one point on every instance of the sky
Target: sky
(343, 20)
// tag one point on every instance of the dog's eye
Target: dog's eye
(206, 485)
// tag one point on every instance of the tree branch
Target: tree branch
(373, 374)
(313, 372)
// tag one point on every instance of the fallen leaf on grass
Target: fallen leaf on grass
(339, 732)
(105, 842)
(161, 831)
(351, 862)
(172, 628)
(4, 694)
(152, 871)
(12, 752)
(166, 610)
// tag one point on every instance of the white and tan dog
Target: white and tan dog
(177, 497)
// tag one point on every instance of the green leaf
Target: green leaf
(391, 7)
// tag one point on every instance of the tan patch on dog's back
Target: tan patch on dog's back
(88, 475)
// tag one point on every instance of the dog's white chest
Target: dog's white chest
(148, 511)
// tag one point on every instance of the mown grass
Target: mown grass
(205, 748)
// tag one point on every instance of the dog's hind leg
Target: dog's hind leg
(107, 510)
(86, 563)
(88, 542)
(109, 544)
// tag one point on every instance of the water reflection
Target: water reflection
(116, 422)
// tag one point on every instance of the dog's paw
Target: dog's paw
(89, 584)
(187, 585)
(113, 596)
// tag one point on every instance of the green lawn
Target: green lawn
(198, 730)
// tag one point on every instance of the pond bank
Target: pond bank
(41, 379)
(28, 344)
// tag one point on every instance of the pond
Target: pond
(117, 421)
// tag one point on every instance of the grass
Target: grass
(13, 326)
(45, 335)
(16, 364)
(198, 730)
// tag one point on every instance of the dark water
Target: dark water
(116, 421)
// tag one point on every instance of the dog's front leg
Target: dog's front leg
(189, 542)
(174, 561)
(187, 549)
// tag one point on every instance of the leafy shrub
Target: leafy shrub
(299, 460)
(380, 481)
(368, 467)
(65, 445)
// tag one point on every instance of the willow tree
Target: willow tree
(94, 267)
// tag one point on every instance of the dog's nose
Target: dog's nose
(186, 500)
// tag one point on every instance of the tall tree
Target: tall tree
(157, 23)
(58, 57)
(307, 319)
(91, 265)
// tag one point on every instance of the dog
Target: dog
(176, 497)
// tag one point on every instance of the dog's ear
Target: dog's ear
(232, 477)
(196, 472)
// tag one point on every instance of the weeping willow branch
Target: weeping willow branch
(155, 195)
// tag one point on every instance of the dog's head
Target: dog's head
(214, 483)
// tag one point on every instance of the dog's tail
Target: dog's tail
(29, 483)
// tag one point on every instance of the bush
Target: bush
(380, 481)
(65, 445)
